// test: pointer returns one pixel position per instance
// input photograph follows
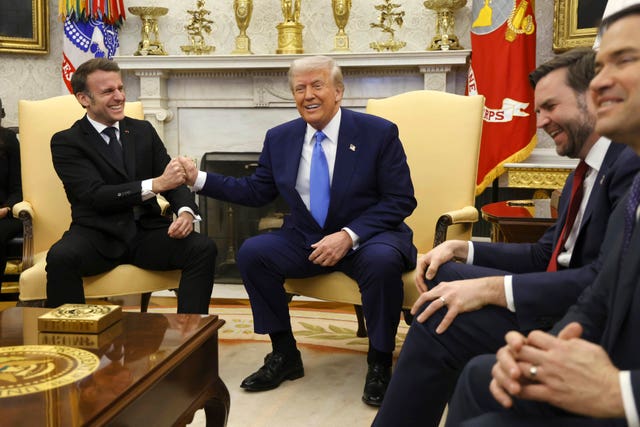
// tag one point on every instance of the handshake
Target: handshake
(179, 171)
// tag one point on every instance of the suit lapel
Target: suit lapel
(347, 155)
(127, 138)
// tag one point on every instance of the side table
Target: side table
(516, 221)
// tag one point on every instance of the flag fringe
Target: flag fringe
(111, 12)
(498, 170)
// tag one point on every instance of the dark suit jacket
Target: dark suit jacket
(371, 190)
(10, 180)
(542, 298)
(102, 195)
(609, 309)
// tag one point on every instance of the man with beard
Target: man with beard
(492, 288)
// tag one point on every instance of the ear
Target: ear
(83, 99)
(339, 93)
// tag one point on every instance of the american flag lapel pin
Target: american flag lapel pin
(352, 147)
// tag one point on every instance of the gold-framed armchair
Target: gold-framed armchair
(46, 214)
(441, 134)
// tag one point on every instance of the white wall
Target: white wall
(38, 76)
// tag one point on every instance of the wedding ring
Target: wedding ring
(444, 301)
(533, 371)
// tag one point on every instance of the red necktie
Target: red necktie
(577, 190)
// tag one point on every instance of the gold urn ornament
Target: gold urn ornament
(149, 45)
(445, 38)
(242, 10)
(341, 10)
(290, 30)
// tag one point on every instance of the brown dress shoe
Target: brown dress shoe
(375, 385)
(275, 370)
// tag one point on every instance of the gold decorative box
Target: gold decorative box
(89, 341)
(80, 318)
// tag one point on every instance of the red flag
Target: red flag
(503, 43)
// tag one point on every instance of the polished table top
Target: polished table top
(149, 349)
(535, 210)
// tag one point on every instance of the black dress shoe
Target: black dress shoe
(375, 385)
(275, 370)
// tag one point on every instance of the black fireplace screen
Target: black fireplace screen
(229, 224)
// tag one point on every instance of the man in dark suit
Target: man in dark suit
(586, 371)
(357, 228)
(111, 182)
(512, 286)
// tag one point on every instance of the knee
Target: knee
(447, 272)
(251, 252)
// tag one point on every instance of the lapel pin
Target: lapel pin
(126, 131)
(352, 147)
(602, 180)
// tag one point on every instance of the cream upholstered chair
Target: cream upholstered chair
(440, 133)
(46, 213)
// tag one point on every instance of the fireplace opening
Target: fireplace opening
(229, 224)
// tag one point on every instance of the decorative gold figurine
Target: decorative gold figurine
(242, 10)
(149, 45)
(389, 18)
(341, 9)
(198, 24)
(290, 30)
(445, 38)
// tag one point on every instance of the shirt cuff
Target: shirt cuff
(196, 218)
(354, 238)
(470, 252)
(629, 403)
(146, 190)
(200, 180)
(508, 293)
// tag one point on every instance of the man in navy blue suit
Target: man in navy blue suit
(503, 286)
(360, 232)
(586, 371)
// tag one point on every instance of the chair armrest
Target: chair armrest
(24, 211)
(165, 206)
(467, 214)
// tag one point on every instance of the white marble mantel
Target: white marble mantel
(209, 103)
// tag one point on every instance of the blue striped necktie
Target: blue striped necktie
(319, 183)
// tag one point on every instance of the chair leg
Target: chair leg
(362, 329)
(144, 302)
(408, 317)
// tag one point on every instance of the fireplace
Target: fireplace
(229, 224)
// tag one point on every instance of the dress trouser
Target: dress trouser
(10, 227)
(429, 363)
(74, 256)
(473, 405)
(267, 259)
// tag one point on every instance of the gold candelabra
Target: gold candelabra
(242, 10)
(198, 25)
(290, 30)
(149, 45)
(445, 38)
(341, 10)
(389, 18)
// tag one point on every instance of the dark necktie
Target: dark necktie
(319, 183)
(630, 211)
(577, 190)
(114, 146)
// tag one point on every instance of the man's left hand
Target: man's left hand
(331, 249)
(182, 226)
(460, 296)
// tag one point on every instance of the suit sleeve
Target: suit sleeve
(15, 180)
(396, 199)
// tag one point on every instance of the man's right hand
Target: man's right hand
(190, 169)
(429, 263)
(173, 176)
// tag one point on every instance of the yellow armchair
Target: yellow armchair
(46, 213)
(440, 133)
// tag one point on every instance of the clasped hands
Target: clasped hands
(568, 372)
(179, 171)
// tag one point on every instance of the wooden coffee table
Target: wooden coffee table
(157, 372)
